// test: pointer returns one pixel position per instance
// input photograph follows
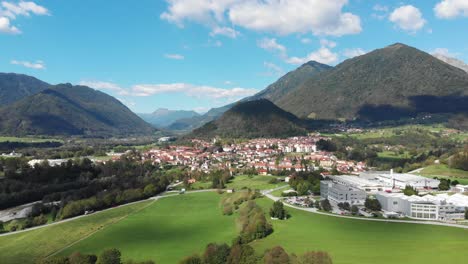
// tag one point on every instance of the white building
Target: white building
(401, 180)
(460, 188)
(340, 193)
(441, 207)
(52, 162)
(362, 183)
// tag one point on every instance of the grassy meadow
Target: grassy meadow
(254, 182)
(174, 227)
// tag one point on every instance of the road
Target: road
(154, 198)
(267, 193)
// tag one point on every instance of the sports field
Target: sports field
(177, 226)
(28, 139)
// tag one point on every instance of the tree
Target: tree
(277, 211)
(215, 253)
(444, 185)
(109, 256)
(466, 213)
(195, 259)
(149, 190)
(276, 255)
(326, 206)
(354, 210)
(373, 204)
(408, 191)
(317, 205)
(315, 257)
(242, 254)
(78, 258)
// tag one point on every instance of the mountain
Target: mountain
(250, 119)
(163, 117)
(291, 81)
(273, 92)
(452, 61)
(394, 82)
(14, 87)
(70, 110)
(188, 124)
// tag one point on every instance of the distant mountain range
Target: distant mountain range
(163, 117)
(252, 119)
(44, 109)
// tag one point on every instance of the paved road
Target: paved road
(154, 198)
(267, 193)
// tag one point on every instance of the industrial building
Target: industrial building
(441, 207)
(341, 193)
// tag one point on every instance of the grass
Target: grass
(30, 246)
(357, 241)
(443, 171)
(174, 227)
(254, 182)
(166, 231)
(28, 139)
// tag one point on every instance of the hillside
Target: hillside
(259, 118)
(163, 117)
(291, 81)
(452, 61)
(390, 83)
(14, 87)
(70, 110)
(284, 85)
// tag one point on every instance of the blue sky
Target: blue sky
(198, 54)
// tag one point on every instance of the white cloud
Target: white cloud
(23, 9)
(323, 55)
(270, 44)
(100, 85)
(451, 8)
(199, 91)
(306, 40)
(408, 18)
(225, 31)
(272, 69)
(5, 26)
(277, 16)
(228, 82)
(38, 65)
(10, 11)
(174, 56)
(327, 43)
(351, 53)
(380, 8)
(444, 52)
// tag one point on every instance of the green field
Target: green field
(28, 139)
(166, 231)
(357, 241)
(258, 182)
(174, 227)
(443, 171)
(27, 247)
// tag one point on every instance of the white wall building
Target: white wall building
(362, 183)
(401, 180)
(441, 207)
(340, 193)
